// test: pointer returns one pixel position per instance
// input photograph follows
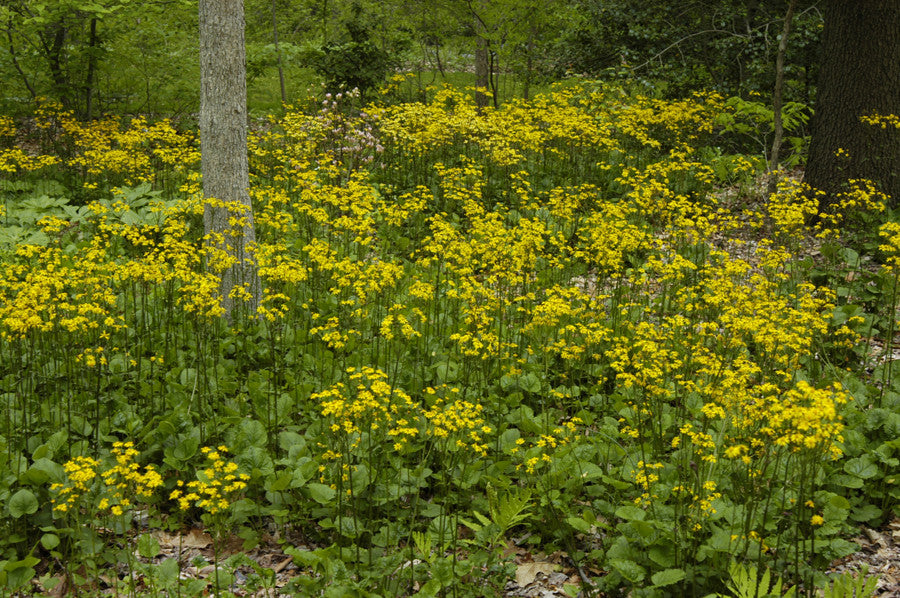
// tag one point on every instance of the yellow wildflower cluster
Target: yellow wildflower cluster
(574, 237)
(80, 474)
(701, 505)
(7, 127)
(368, 405)
(107, 152)
(790, 208)
(111, 491)
(216, 486)
(890, 245)
(458, 422)
(645, 476)
(881, 120)
(53, 291)
(537, 453)
(125, 479)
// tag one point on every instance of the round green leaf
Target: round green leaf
(49, 541)
(530, 383)
(861, 467)
(21, 503)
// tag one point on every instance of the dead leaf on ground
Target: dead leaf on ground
(193, 539)
(526, 573)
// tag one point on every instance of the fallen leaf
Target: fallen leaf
(526, 573)
(196, 539)
(165, 539)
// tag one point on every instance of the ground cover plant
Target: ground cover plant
(569, 321)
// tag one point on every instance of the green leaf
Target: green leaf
(256, 461)
(167, 572)
(288, 441)
(148, 546)
(186, 448)
(442, 571)
(55, 472)
(846, 481)
(280, 482)
(579, 524)
(447, 371)
(188, 377)
(629, 569)
(530, 383)
(28, 561)
(507, 383)
(49, 541)
(667, 577)
(861, 467)
(662, 555)
(644, 529)
(321, 493)
(865, 513)
(19, 577)
(590, 471)
(630, 512)
(21, 503)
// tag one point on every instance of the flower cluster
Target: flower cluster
(111, 490)
(216, 486)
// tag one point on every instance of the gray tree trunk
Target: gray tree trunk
(223, 148)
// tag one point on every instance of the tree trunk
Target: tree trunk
(859, 76)
(15, 61)
(493, 75)
(777, 97)
(223, 147)
(482, 70)
(529, 62)
(91, 67)
(53, 41)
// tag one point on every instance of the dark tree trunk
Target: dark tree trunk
(529, 63)
(53, 42)
(859, 75)
(15, 61)
(223, 151)
(777, 98)
(482, 71)
(91, 67)
(493, 76)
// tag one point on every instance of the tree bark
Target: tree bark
(91, 67)
(777, 97)
(223, 146)
(859, 76)
(482, 69)
(53, 41)
(15, 62)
